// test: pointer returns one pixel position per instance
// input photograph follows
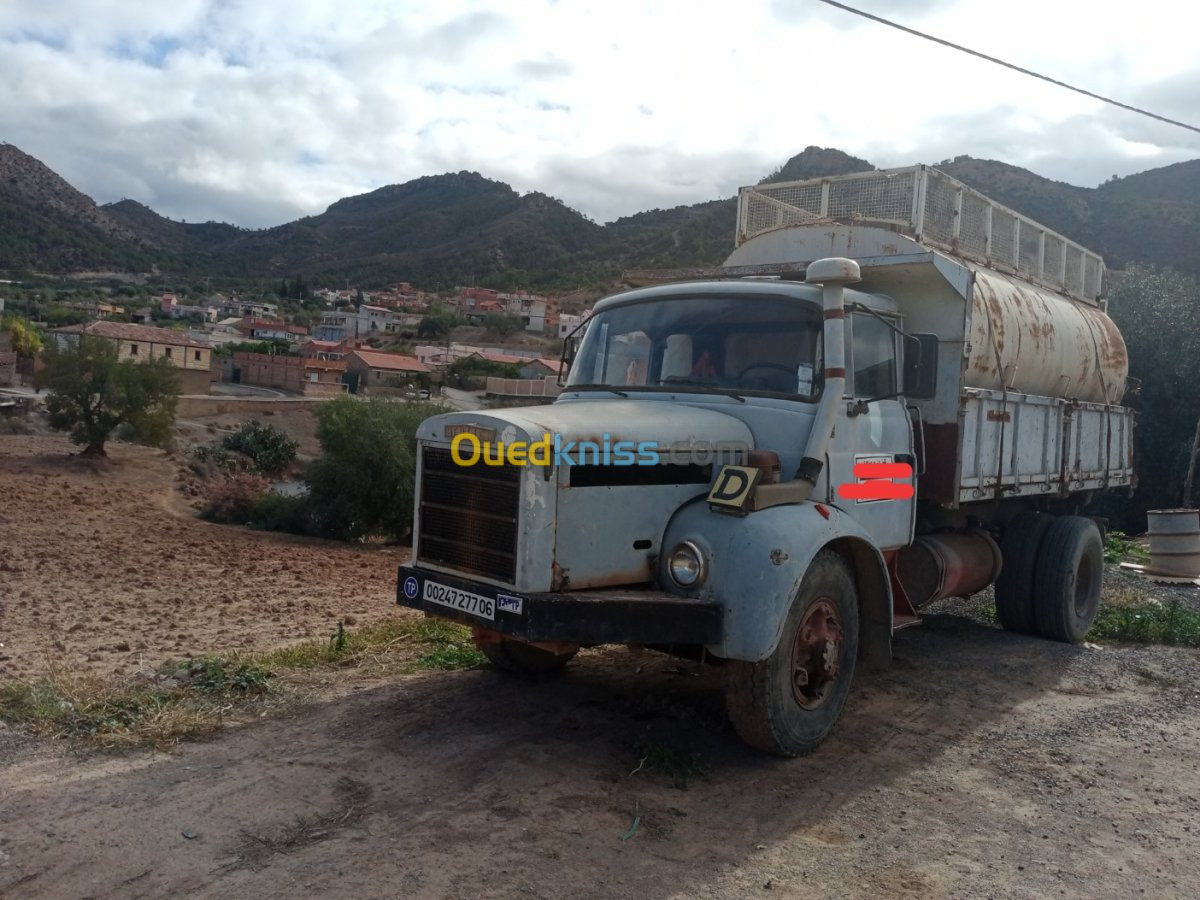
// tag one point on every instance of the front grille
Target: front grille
(468, 515)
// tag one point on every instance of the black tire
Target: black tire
(1069, 576)
(1015, 587)
(517, 656)
(764, 698)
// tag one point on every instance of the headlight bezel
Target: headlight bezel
(683, 550)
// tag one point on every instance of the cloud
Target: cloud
(258, 112)
(550, 67)
(904, 12)
(627, 179)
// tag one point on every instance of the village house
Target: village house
(8, 358)
(235, 306)
(476, 303)
(310, 376)
(169, 304)
(142, 343)
(568, 323)
(317, 349)
(379, 372)
(257, 329)
(364, 322)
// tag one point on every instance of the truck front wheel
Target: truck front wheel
(787, 703)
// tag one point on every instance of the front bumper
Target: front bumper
(613, 616)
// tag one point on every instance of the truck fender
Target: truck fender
(755, 564)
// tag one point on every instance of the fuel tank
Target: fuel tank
(1033, 341)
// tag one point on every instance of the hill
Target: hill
(47, 224)
(168, 237)
(1152, 217)
(457, 228)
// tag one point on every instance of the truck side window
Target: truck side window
(873, 360)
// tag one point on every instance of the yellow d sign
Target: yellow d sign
(732, 488)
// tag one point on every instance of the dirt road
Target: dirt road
(981, 764)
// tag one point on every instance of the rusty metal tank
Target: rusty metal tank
(1034, 341)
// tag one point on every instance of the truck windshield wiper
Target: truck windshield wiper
(684, 381)
(596, 387)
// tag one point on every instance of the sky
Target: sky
(257, 112)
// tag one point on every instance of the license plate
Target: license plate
(465, 601)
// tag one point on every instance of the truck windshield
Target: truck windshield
(736, 344)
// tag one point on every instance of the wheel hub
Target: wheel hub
(816, 653)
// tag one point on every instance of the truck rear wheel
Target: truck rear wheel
(517, 656)
(787, 703)
(1069, 575)
(1015, 586)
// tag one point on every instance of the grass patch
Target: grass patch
(1119, 547)
(157, 709)
(191, 699)
(1148, 623)
(396, 645)
(669, 759)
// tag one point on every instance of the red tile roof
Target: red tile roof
(508, 359)
(120, 331)
(394, 362)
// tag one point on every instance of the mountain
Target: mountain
(167, 236)
(440, 228)
(702, 234)
(458, 228)
(47, 224)
(1152, 217)
(818, 162)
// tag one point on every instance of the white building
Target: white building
(568, 323)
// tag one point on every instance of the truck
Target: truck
(894, 390)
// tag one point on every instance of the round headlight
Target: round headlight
(686, 565)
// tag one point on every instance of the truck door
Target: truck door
(880, 433)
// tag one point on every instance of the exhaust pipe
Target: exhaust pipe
(832, 274)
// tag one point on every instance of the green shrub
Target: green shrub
(1119, 547)
(213, 675)
(271, 449)
(277, 512)
(362, 484)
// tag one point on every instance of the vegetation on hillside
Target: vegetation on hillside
(461, 228)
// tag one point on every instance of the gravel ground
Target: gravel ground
(980, 764)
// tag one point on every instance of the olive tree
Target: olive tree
(91, 392)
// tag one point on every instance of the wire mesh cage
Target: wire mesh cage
(934, 209)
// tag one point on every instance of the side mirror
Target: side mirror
(920, 366)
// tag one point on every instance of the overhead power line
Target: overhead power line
(1007, 65)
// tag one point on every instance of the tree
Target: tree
(362, 483)
(501, 324)
(433, 326)
(1148, 304)
(91, 392)
(26, 340)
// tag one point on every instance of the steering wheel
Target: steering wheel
(766, 365)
